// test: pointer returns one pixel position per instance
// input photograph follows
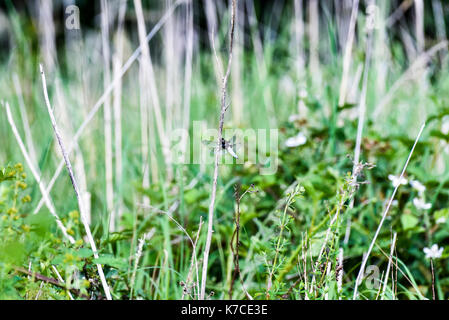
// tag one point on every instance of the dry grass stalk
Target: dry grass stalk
(361, 117)
(25, 122)
(439, 24)
(47, 37)
(75, 186)
(418, 65)
(419, 25)
(384, 215)
(188, 66)
(314, 40)
(117, 107)
(223, 109)
(151, 81)
(90, 116)
(36, 174)
(390, 259)
(194, 262)
(107, 115)
(348, 53)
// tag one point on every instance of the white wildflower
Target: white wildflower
(434, 252)
(397, 180)
(441, 220)
(421, 204)
(418, 186)
(293, 117)
(295, 141)
(445, 125)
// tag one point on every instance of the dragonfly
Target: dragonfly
(225, 146)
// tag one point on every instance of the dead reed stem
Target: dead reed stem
(393, 244)
(106, 94)
(348, 53)
(36, 174)
(365, 259)
(107, 115)
(75, 186)
(117, 107)
(223, 109)
(361, 117)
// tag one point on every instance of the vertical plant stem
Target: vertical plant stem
(433, 278)
(75, 186)
(25, 122)
(393, 244)
(365, 259)
(361, 120)
(217, 154)
(117, 106)
(97, 106)
(348, 53)
(107, 115)
(36, 175)
(153, 92)
(314, 35)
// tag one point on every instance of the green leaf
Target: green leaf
(110, 260)
(192, 196)
(409, 221)
(40, 223)
(84, 253)
(12, 252)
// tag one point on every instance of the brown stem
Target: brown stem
(433, 279)
(236, 235)
(54, 282)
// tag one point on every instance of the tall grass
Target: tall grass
(355, 78)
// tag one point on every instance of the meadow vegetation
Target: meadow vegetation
(356, 90)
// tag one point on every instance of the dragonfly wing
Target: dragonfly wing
(208, 143)
(231, 152)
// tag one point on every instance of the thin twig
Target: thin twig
(347, 54)
(169, 215)
(75, 185)
(193, 261)
(361, 120)
(393, 244)
(108, 165)
(36, 175)
(236, 236)
(220, 134)
(52, 281)
(62, 280)
(433, 279)
(365, 259)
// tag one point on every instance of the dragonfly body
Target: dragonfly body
(225, 145)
